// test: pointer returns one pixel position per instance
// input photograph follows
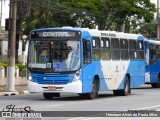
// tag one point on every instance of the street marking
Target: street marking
(147, 107)
(54, 105)
(87, 118)
(79, 118)
(151, 93)
(83, 118)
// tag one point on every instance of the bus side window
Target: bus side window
(140, 50)
(158, 53)
(96, 48)
(86, 51)
(105, 48)
(124, 49)
(115, 49)
(153, 53)
(132, 49)
(146, 53)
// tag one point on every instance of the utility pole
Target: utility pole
(158, 20)
(1, 14)
(11, 52)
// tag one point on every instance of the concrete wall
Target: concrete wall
(18, 81)
(22, 55)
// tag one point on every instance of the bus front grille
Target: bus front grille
(51, 79)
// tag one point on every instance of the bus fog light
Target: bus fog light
(75, 78)
(29, 75)
(30, 78)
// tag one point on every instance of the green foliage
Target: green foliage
(3, 64)
(22, 68)
(148, 29)
(104, 14)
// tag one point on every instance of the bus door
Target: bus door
(86, 67)
(115, 71)
(124, 56)
(133, 65)
(147, 58)
(106, 63)
(153, 62)
(140, 58)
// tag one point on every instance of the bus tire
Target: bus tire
(156, 85)
(94, 93)
(126, 89)
(116, 92)
(48, 96)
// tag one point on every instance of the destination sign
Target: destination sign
(46, 34)
(58, 34)
(108, 34)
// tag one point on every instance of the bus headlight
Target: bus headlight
(29, 76)
(77, 76)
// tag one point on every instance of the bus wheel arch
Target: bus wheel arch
(126, 89)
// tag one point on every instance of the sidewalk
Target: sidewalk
(21, 89)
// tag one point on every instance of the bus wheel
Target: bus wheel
(156, 85)
(48, 96)
(116, 92)
(126, 89)
(94, 92)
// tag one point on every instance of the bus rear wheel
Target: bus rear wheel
(94, 93)
(156, 85)
(126, 89)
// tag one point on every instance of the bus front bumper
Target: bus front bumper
(74, 87)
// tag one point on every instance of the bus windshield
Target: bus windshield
(54, 55)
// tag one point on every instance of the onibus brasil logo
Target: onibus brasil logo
(11, 111)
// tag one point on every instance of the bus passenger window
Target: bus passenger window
(96, 48)
(124, 49)
(158, 53)
(140, 50)
(86, 51)
(105, 48)
(132, 50)
(115, 51)
(153, 54)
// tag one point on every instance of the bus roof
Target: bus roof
(114, 34)
(153, 42)
(99, 33)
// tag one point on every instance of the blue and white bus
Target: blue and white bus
(84, 61)
(152, 54)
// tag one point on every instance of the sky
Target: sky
(5, 10)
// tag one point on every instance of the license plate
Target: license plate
(51, 88)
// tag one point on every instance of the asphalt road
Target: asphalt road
(143, 98)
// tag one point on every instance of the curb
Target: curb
(13, 93)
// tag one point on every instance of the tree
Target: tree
(119, 11)
(148, 29)
(41, 15)
(101, 14)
